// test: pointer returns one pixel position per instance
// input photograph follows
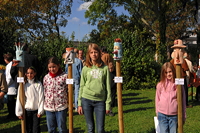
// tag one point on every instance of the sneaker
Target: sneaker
(76, 110)
(111, 114)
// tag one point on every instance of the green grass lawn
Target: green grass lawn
(138, 113)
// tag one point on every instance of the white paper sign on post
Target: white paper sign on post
(179, 81)
(69, 81)
(118, 80)
(20, 79)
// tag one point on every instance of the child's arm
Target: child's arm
(41, 100)
(108, 89)
(82, 84)
(157, 97)
(18, 108)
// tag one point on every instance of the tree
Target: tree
(31, 20)
(164, 19)
(35, 19)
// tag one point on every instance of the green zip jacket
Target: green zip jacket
(95, 85)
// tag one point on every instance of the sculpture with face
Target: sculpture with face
(69, 56)
(117, 49)
(19, 54)
(178, 51)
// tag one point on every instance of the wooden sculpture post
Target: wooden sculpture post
(69, 59)
(180, 100)
(22, 100)
(20, 61)
(118, 56)
(178, 60)
(70, 87)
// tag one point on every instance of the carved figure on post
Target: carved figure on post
(117, 49)
(69, 56)
(19, 54)
(178, 52)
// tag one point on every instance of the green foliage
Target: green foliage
(138, 67)
(49, 48)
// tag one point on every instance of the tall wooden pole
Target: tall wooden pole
(179, 97)
(70, 94)
(119, 98)
(22, 100)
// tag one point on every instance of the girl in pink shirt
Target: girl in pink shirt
(166, 100)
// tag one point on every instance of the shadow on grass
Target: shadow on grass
(43, 124)
(14, 129)
(130, 94)
(152, 130)
(141, 102)
(128, 101)
(114, 131)
(4, 120)
(78, 130)
(138, 109)
(195, 103)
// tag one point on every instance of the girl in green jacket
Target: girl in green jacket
(95, 92)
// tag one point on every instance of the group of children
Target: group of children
(97, 94)
(51, 95)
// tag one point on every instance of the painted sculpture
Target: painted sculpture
(69, 56)
(117, 49)
(19, 54)
(178, 51)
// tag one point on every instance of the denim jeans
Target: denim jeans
(76, 92)
(89, 108)
(167, 123)
(56, 119)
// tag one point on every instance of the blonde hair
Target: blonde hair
(88, 61)
(163, 70)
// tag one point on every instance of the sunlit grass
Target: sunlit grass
(138, 113)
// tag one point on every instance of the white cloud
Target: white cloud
(85, 6)
(74, 19)
(84, 23)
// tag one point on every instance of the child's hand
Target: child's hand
(39, 116)
(107, 111)
(80, 110)
(20, 117)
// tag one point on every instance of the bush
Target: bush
(138, 67)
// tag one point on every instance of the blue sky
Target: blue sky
(77, 21)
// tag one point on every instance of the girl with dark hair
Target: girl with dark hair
(55, 94)
(34, 101)
(95, 92)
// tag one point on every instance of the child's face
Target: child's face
(168, 73)
(53, 68)
(94, 55)
(30, 74)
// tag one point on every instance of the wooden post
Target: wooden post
(179, 98)
(119, 98)
(70, 95)
(22, 100)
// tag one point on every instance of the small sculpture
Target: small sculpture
(69, 56)
(178, 52)
(117, 49)
(19, 54)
